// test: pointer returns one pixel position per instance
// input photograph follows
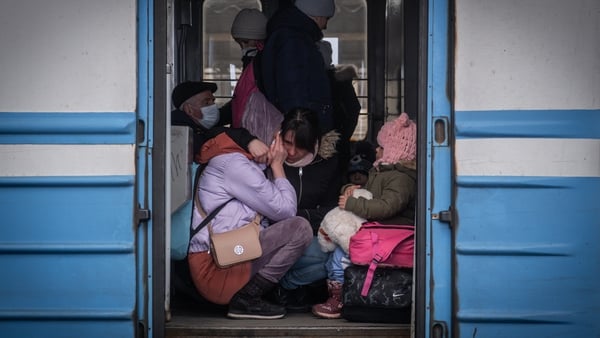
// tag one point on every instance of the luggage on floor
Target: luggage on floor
(389, 298)
(377, 244)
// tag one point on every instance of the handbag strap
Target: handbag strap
(207, 219)
(196, 201)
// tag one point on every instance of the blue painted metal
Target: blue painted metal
(438, 234)
(67, 128)
(67, 256)
(145, 112)
(527, 260)
(528, 124)
(74, 263)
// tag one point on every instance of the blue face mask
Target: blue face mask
(210, 116)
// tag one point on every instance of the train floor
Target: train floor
(188, 320)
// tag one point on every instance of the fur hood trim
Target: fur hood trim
(345, 72)
(327, 147)
(409, 164)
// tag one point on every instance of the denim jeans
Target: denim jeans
(336, 263)
(308, 269)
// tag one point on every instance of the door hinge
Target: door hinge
(444, 216)
(142, 215)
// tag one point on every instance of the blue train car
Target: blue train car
(507, 99)
(75, 147)
(514, 254)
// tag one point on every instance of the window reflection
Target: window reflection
(349, 27)
(222, 55)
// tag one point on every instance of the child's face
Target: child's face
(358, 178)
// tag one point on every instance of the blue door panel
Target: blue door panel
(69, 234)
(76, 328)
(67, 243)
(526, 256)
(68, 255)
(73, 213)
(76, 284)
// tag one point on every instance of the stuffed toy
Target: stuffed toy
(339, 225)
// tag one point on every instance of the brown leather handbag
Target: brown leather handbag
(236, 246)
(230, 247)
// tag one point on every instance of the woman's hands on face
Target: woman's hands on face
(277, 156)
(259, 151)
(277, 152)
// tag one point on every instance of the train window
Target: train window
(222, 56)
(222, 59)
(347, 30)
(394, 76)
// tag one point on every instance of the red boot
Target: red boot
(332, 308)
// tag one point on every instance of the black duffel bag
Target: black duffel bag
(389, 299)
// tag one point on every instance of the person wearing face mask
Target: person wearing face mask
(283, 235)
(248, 106)
(249, 30)
(196, 108)
(191, 99)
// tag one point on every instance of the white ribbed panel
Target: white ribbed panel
(528, 157)
(533, 54)
(67, 160)
(68, 56)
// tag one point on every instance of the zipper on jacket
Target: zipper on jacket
(300, 179)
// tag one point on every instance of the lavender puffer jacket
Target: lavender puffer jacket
(234, 175)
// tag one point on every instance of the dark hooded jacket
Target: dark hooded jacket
(317, 184)
(292, 68)
(346, 109)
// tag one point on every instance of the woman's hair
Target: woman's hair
(304, 124)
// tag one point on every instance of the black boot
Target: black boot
(295, 301)
(248, 303)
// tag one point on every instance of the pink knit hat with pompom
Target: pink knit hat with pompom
(398, 138)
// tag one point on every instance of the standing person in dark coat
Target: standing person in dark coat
(346, 106)
(292, 67)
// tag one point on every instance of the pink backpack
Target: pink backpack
(376, 244)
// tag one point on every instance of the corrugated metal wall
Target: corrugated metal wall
(527, 165)
(68, 103)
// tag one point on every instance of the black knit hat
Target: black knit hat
(365, 149)
(359, 164)
(185, 90)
